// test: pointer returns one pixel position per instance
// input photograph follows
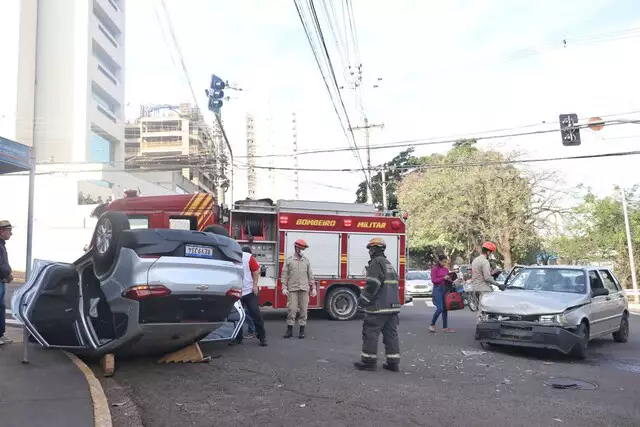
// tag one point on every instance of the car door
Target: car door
(615, 299)
(50, 307)
(598, 321)
(230, 329)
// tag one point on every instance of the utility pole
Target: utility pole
(295, 157)
(366, 128)
(384, 188)
(632, 263)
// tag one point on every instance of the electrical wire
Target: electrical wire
(178, 167)
(471, 164)
(330, 66)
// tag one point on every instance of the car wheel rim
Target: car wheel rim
(343, 305)
(104, 234)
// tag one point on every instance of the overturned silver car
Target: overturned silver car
(135, 292)
(555, 307)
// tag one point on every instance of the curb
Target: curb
(101, 412)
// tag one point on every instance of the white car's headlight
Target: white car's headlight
(550, 319)
(484, 316)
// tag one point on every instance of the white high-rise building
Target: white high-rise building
(70, 97)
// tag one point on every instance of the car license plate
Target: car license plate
(516, 332)
(198, 251)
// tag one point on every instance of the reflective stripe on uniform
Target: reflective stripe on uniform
(382, 310)
(391, 282)
(393, 356)
(368, 355)
(365, 298)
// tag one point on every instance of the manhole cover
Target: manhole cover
(570, 383)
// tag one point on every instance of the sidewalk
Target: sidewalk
(49, 391)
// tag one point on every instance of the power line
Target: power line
(324, 78)
(471, 164)
(429, 141)
(178, 167)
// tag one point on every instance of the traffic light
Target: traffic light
(216, 93)
(570, 134)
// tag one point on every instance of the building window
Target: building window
(100, 149)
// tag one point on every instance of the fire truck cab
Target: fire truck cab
(337, 235)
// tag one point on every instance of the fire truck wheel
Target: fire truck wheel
(107, 240)
(342, 303)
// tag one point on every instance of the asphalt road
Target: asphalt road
(312, 382)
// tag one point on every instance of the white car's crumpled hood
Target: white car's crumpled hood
(530, 302)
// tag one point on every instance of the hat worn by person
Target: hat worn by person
(5, 224)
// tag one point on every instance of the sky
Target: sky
(447, 68)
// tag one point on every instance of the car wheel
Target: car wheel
(106, 242)
(622, 334)
(579, 351)
(342, 304)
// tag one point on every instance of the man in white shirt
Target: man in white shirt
(250, 295)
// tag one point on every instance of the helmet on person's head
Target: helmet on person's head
(489, 246)
(300, 243)
(377, 242)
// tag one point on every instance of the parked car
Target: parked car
(143, 291)
(418, 283)
(556, 307)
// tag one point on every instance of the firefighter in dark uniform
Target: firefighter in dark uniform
(381, 302)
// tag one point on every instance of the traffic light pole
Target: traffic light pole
(366, 128)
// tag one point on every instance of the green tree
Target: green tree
(456, 201)
(595, 232)
(395, 169)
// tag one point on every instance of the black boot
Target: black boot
(237, 341)
(366, 365)
(301, 334)
(391, 365)
(289, 332)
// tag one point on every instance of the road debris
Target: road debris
(570, 383)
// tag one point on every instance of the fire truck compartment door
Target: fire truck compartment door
(323, 251)
(358, 255)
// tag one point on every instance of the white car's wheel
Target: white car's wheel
(622, 334)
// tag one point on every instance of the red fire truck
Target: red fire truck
(337, 234)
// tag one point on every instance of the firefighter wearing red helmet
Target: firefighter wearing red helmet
(380, 299)
(297, 283)
(481, 269)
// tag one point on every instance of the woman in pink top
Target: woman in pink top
(440, 278)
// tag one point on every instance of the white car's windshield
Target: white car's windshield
(550, 279)
(419, 275)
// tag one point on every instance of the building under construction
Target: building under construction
(174, 137)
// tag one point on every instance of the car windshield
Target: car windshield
(550, 279)
(419, 275)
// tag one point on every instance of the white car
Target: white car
(418, 283)
(556, 307)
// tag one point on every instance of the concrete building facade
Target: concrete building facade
(70, 97)
(166, 136)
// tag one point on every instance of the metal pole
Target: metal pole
(366, 139)
(32, 181)
(384, 189)
(632, 263)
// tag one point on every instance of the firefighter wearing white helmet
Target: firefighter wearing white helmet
(297, 281)
(381, 302)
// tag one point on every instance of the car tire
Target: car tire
(336, 298)
(622, 334)
(579, 351)
(106, 244)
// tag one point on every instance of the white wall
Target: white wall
(61, 227)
